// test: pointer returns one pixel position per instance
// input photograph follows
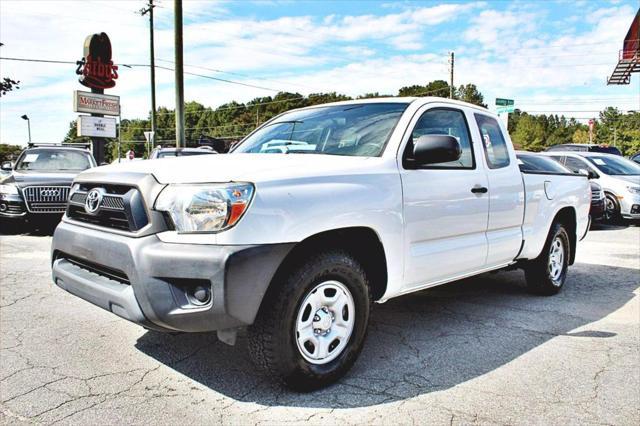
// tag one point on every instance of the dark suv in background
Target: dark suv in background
(37, 187)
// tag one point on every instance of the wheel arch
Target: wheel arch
(567, 217)
(361, 242)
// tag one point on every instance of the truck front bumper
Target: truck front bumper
(154, 284)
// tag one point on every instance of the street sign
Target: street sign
(507, 109)
(504, 102)
(103, 127)
(149, 136)
(95, 103)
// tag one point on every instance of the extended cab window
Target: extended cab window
(493, 143)
(443, 121)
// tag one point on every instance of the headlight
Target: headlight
(634, 189)
(8, 189)
(206, 207)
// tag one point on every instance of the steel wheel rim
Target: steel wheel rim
(556, 260)
(325, 321)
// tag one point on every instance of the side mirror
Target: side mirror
(7, 165)
(589, 173)
(432, 149)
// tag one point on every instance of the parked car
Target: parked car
(535, 163)
(160, 152)
(371, 200)
(618, 177)
(636, 158)
(38, 185)
(584, 147)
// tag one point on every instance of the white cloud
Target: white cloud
(502, 52)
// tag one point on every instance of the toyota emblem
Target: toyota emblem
(94, 199)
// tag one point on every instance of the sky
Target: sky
(549, 56)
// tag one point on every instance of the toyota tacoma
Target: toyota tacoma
(312, 217)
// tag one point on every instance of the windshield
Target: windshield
(51, 160)
(356, 130)
(538, 163)
(614, 166)
(165, 154)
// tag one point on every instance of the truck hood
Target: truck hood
(239, 167)
(22, 179)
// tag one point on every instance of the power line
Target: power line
(147, 65)
(241, 75)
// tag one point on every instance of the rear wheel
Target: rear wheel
(312, 325)
(547, 273)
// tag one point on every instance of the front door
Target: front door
(445, 221)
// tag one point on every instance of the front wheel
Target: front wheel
(547, 273)
(611, 209)
(312, 325)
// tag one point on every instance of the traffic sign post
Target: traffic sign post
(149, 136)
(503, 108)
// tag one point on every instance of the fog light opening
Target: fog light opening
(3, 207)
(200, 295)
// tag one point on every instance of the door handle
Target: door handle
(479, 190)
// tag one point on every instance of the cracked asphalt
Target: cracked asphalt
(481, 350)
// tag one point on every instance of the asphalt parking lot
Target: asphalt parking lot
(479, 350)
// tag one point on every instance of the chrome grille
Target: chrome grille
(597, 194)
(113, 202)
(46, 199)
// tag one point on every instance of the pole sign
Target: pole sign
(96, 69)
(96, 103)
(504, 102)
(102, 127)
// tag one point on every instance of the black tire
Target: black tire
(611, 209)
(538, 273)
(273, 338)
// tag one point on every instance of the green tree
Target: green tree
(580, 136)
(9, 152)
(8, 84)
(469, 93)
(529, 134)
(438, 88)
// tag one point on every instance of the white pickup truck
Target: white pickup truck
(315, 215)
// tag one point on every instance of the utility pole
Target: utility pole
(177, 21)
(143, 12)
(451, 62)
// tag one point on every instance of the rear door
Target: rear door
(445, 222)
(506, 192)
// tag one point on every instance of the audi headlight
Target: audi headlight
(8, 189)
(634, 189)
(205, 207)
